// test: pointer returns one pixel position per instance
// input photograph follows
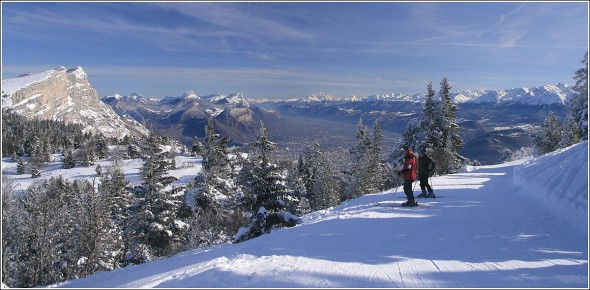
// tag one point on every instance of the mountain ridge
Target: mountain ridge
(66, 95)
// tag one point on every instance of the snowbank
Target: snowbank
(559, 180)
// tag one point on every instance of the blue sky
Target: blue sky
(291, 50)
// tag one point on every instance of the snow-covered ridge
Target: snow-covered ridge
(544, 95)
(9, 86)
(231, 99)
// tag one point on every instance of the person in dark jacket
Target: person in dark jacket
(425, 169)
(408, 173)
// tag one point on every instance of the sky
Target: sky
(513, 225)
(294, 49)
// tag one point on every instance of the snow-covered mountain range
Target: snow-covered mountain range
(544, 95)
(184, 117)
(66, 95)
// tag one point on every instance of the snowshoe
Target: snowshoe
(431, 195)
(421, 195)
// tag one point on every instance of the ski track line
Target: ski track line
(401, 276)
(155, 280)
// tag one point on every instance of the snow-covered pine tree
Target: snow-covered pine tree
(95, 246)
(153, 229)
(68, 158)
(447, 153)
(296, 181)
(377, 163)
(368, 170)
(20, 166)
(43, 251)
(98, 170)
(214, 192)
(323, 189)
(550, 136)
(215, 183)
(196, 148)
(101, 147)
(12, 235)
(265, 190)
(578, 105)
(86, 155)
(117, 198)
(35, 171)
(571, 132)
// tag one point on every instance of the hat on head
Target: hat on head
(406, 147)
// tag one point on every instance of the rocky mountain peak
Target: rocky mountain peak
(65, 95)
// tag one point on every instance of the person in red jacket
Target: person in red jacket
(408, 173)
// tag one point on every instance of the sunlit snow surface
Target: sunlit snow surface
(521, 224)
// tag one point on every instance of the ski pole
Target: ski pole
(394, 193)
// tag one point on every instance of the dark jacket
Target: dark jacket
(425, 165)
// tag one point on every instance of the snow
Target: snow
(187, 168)
(544, 95)
(12, 85)
(518, 224)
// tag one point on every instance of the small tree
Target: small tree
(20, 166)
(550, 136)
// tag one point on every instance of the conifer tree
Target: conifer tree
(153, 229)
(215, 183)
(571, 132)
(113, 189)
(196, 148)
(323, 189)
(20, 166)
(578, 105)
(368, 167)
(550, 136)
(214, 190)
(447, 153)
(35, 171)
(68, 159)
(265, 191)
(101, 147)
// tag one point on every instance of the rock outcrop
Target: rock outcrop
(66, 95)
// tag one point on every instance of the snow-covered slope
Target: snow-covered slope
(486, 229)
(66, 95)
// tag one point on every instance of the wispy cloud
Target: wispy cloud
(243, 23)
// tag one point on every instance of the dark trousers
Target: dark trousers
(408, 190)
(424, 183)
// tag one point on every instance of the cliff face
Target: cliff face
(66, 95)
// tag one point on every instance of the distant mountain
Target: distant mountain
(66, 95)
(185, 117)
(545, 95)
(492, 121)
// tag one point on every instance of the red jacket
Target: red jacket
(409, 170)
